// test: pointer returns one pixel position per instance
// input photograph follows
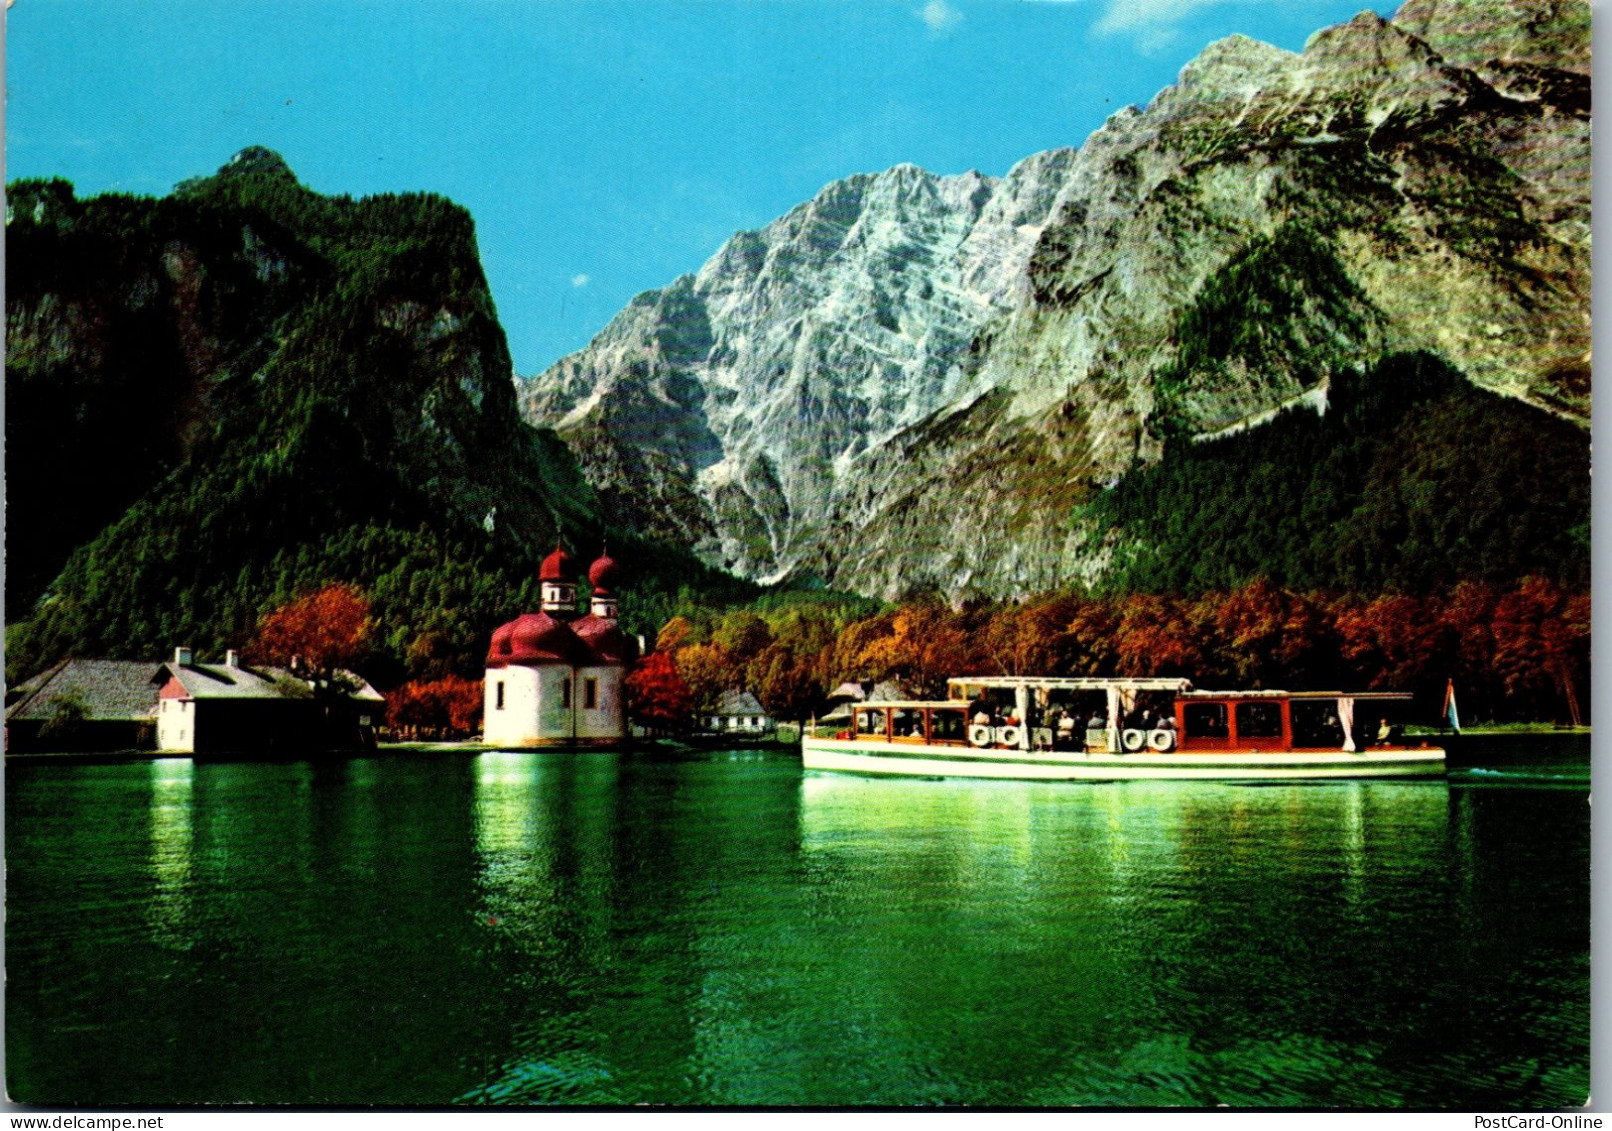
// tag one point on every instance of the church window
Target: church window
(590, 694)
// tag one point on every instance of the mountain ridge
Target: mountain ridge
(803, 392)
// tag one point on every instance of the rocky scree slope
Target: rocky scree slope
(919, 382)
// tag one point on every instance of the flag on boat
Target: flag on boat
(1450, 714)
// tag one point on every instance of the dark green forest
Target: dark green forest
(219, 399)
(1411, 481)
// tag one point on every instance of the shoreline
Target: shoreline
(1500, 730)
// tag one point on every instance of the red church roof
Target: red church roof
(606, 640)
(536, 638)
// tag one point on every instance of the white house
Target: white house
(738, 712)
(233, 706)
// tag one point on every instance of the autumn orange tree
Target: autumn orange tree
(318, 637)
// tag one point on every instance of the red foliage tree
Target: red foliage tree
(1090, 639)
(1394, 641)
(451, 705)
(1264, 634)
(1542, 641)
(1157, 637)
(657, 697)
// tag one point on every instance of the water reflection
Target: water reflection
(696, 930)
(542, 823)
(1134, 943)
(168, 911)
(544, 826)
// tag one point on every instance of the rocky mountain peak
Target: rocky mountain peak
(1229, 64)
(257, 161)
(908, 359)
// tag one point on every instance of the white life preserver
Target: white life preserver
(1133, 740)
(979, 734)
(1161, 740)
(1008, 736)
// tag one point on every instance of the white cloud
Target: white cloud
(580, 280)
(1152, 24)
(940, 17)
(1144, 16)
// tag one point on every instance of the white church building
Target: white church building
(557, 679)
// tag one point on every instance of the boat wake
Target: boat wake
(1479, 775)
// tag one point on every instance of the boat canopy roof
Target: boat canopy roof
(962, 686)
(908, 705)
(1074, 683)
(1272, 694)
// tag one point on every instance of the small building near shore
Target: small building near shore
(185, 707)
(738, 713)
(237, 708)
(84, 705)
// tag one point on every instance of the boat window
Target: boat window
(1315, 723)
(1205, 720)
(870, 722)
(947, 726)
(907, 724)
(1261, 719)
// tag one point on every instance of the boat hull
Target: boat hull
(883, 758)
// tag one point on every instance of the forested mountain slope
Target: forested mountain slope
(245, 388)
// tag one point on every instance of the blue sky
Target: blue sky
(603, 147)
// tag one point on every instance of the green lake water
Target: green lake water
(722, 928)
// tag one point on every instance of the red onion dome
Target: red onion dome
(535, 638)
(603, 574)
(606, 640)
(557, 566)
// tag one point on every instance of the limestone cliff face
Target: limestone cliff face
(913, 381)
(245, 330)
(726, 406)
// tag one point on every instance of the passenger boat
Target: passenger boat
(1034, 729)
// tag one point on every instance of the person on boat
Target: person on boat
(979, 710)
(1385, 733)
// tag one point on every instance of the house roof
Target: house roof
(739, 703)
(108, 689)
(222, 681)
(855, 692)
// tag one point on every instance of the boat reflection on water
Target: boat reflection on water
(1221, 937)
(1125, 828)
